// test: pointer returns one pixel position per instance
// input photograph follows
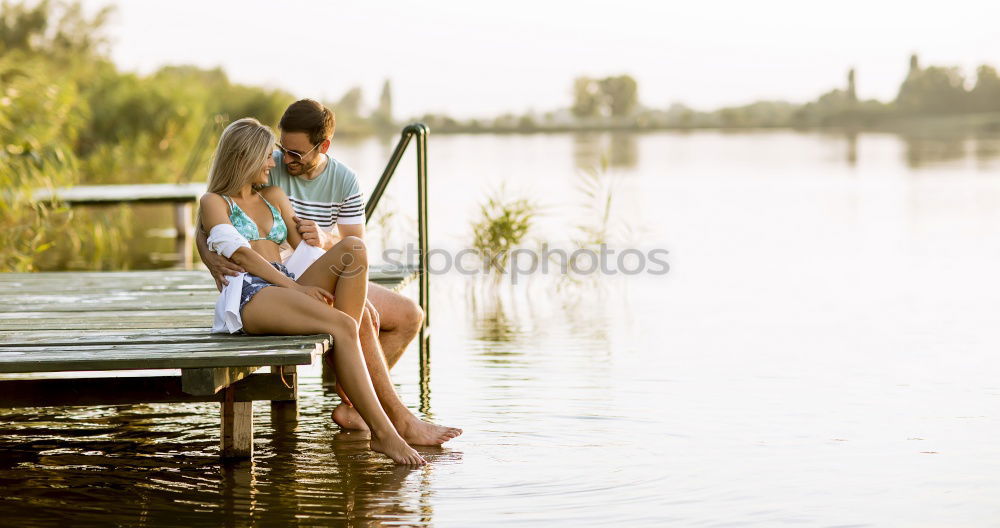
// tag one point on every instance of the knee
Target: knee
(349, 254)
(411, 315)
(342, 324)
(352, 244)
(399, 313)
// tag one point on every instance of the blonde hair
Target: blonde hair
(241, 154)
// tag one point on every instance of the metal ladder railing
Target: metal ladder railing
(420, 131)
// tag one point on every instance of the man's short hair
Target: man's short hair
(311, 117)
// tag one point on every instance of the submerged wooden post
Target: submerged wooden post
(236, 438)
(286, 411)
(183, 226)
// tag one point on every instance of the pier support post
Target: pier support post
(237, 427)
(286, 412)
(183, 226)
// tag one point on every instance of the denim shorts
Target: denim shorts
(253, 284)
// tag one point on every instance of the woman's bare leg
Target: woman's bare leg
(276, 310)
(339, 271)
(411, 428)
(342, 271)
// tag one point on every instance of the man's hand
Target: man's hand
(220, 267)
(312, 234)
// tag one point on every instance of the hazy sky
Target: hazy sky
(481, 59)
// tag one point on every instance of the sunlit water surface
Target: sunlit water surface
(821, 353)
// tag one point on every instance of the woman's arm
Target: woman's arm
(215, 211)
(220, 267)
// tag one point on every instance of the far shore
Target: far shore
(945, 125)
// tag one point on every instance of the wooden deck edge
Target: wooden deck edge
(124, 391)
(252, 358)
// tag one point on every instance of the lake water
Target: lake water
(822, 352)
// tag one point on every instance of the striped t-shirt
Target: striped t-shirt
(333, 197)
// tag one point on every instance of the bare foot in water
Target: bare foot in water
(348, 418)
(414, 431)
(421, 433)
(398, 451)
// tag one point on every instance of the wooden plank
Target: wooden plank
(205, 381)
(235, 344)
(29, 335)
(236, 437)
(80, 308)
(133, 359)
(98, 301)
(150, 279)
(53, 292)
(42, 288)
(62, 324)
(68, 339)
(146, 280)
(124, 390)
(110, 314)
(115, 194)
(195, 277)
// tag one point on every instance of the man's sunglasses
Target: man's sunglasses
(296, 156)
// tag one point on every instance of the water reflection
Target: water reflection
(717, 400)
(122, 471)
(491, 321)
(922, 151)
(987, 148)
(371, 493)
(852, 148)
(238, 487)
(618, 149)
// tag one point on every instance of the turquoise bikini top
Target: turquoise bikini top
(248, 228)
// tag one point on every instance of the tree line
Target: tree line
(69, 116)
(931, 92)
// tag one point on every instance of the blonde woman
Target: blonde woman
(247, 223)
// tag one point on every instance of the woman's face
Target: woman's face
(262, 177)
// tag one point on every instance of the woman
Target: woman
(248, 225)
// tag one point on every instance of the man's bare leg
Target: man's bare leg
(411, 428)
(400, 319)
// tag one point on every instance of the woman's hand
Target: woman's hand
(316, 293)
(220, 267)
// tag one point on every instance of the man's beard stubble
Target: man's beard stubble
(299, 168)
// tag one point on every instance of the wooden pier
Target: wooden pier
(182, 196)
(60, 330)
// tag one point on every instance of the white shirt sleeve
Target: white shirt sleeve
(224, 239)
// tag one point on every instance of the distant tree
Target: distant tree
(610, 96)
(526, 123)
(382, 116)
(932, 90)
(506, 121)
(59, 29)
(985, 95)
(620, 94)
(586, 98)
(350, 103)
(852, 93)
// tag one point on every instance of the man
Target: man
(325, 194)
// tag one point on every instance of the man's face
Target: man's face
(298, 142)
